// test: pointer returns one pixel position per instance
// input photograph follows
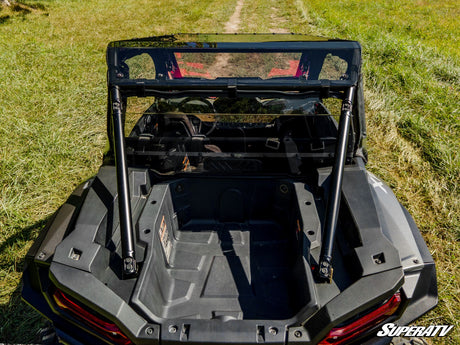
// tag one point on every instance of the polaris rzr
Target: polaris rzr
(233, 205)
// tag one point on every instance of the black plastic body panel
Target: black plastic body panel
(58, 226)
(360, 283)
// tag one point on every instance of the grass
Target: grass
(412, 69)
(53, 114)
(53, 111)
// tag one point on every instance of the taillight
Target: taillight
(344, 334)
(101, 326)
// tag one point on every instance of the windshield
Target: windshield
(230, 135)
(206, 65)
(201, 63)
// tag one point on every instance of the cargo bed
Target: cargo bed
(231, 251)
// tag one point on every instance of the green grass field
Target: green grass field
(53, 94)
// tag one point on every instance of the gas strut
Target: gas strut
(124, 204)
(325, 269)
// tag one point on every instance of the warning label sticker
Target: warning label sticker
(165, 239)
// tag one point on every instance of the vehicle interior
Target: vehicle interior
(195, 134)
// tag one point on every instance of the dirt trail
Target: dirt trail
(232, 26)
(234, 22)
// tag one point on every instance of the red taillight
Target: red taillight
(342, 335)
(105, 328)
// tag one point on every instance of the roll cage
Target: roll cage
(165, 78)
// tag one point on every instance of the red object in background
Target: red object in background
(291, 71)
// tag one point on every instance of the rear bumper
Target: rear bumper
(418, 288)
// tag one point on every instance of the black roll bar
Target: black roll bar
(325, 269)
(126, 226)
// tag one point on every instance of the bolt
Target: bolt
(179, 188)
(120, 75)
(41, 255)
(172, 329)
(298, 334)
(149, 331)
(273, 330)
(415, 261)
(284, 189)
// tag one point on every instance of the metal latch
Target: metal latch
(272, 143)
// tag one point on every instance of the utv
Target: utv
(233, 205)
